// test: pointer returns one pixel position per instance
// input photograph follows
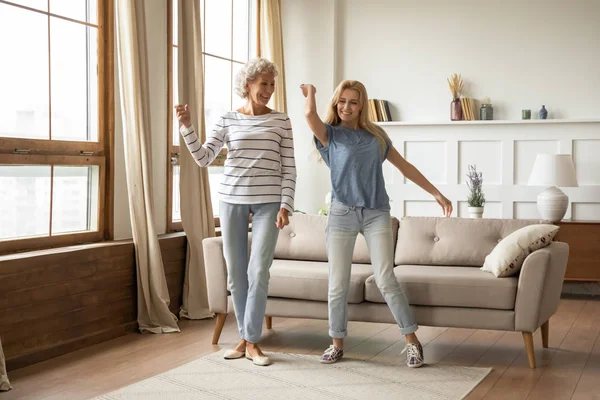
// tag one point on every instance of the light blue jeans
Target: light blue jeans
(343, 225)
(248, 277)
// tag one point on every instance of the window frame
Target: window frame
(173, 151)
(52, 152)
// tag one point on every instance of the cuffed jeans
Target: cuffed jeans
(248, 279)
(343, 225)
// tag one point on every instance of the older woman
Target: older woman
(259, 179)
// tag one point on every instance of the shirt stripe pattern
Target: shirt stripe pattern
(260, 165)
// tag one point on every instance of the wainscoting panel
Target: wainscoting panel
(526, 210)
(485, 155)
(504, 151)
(525, 154)
(586, 211)
(422, 208)
(586, 155)
(429, 158)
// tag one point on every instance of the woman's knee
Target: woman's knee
(259, 276)
(388, 286)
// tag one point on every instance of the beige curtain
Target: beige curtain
(196, 207)
(132, 61)
(271, 46)
(4, 383)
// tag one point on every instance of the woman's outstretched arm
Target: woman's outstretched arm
(413, 174)
(310, 112)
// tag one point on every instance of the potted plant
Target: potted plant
(476, 198)
(325, 209)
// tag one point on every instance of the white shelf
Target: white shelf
(492, 122)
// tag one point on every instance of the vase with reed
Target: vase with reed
(456, 87)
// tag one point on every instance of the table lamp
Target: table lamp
(553, 171)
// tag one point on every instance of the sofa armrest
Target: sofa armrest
(216, 274)
(540, 286)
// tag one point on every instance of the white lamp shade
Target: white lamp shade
(553, 170)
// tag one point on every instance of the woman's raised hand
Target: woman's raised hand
(183, 114)
(307, 89)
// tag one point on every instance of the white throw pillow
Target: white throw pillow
(507, 257)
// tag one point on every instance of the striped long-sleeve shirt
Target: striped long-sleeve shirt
(260, 165)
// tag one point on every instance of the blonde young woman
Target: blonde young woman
(354, 149)
(259, 179)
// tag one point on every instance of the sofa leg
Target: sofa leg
(269, 321)
(545, 330)
(221, 317)
(528, 339)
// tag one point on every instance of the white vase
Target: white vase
(476, 212)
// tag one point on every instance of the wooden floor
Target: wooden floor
(568, 369)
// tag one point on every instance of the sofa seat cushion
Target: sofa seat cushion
(427, 285)
(308, 280)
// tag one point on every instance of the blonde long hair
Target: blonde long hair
(364, 120)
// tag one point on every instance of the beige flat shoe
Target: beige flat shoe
(258, 360)
(232, 354)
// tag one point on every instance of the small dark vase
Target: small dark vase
(456, 112)
(543, 113)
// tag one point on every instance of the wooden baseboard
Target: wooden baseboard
(64, 348)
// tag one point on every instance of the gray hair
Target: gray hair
(250, 71)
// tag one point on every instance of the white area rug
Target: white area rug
(302, 377)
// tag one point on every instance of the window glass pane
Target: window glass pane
(237, 100)
(175, 23)
(176, 212)
(241, 34)
(80, 10)
(37, 4)
(175, 96)
(24, 201)
(74, 81)
(75, 199)
(217, 91)
(218, 28)
(24, 80)
(215, 174)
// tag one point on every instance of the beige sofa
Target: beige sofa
(437, 263)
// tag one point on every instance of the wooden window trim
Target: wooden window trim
(17, 151)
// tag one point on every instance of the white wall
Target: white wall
(156, 28)
(520, 54)
(308, 35)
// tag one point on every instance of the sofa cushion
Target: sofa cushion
(451, 241)
(430, 285)
(305, 239)
(308, 280)
(508, 256)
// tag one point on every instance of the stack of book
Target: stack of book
(379, 110)
(468, 107)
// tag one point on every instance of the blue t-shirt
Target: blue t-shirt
(355, 160)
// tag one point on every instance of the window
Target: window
(55, 107)
(227, 27)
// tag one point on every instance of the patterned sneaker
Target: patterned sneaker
(414, 355)
(332, 354)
